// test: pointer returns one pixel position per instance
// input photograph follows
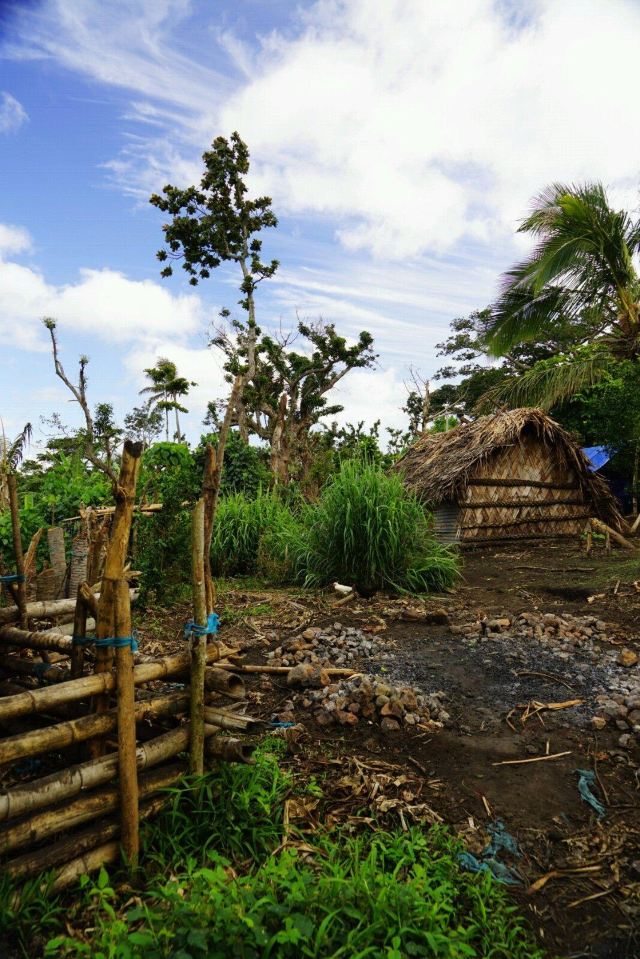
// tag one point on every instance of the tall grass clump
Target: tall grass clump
(239, 526)
(368, 530)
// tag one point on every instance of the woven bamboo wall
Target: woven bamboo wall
(522, 493)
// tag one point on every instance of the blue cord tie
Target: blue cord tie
(40, 669)
(118, 642)
(13, 578)
(193, 629)
(81, 640)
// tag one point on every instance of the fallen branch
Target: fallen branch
(534, 759)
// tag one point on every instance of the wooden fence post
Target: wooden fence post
(127, 761)
(114, 569)
(198, 640)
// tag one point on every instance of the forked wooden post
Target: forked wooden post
(198, 640)
(114, 568)
(209, 496)
(127, 762)
(21, 591)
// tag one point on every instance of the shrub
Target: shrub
(368, 530)
(238, 529)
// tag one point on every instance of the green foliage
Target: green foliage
(238, 530)
(168, 475)
(236, 812)
(368, 530)
(383, 896)
(216, 222)
(581, 268)
(245, 466)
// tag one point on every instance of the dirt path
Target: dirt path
(566, 649)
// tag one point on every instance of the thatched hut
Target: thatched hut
(510, 476)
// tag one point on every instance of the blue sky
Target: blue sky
(401, 141)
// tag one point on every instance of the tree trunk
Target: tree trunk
(178, 434)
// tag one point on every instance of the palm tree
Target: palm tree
(166, 386)
(11, 455)
(582, 268)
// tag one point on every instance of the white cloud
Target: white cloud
(407, 129)
(104, 303)
(12, 113)
(14, 239)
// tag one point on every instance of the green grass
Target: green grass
(219, 883)
(238, 529)
(369, 531)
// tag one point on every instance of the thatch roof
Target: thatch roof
(438, 465)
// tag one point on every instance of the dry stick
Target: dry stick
(21, 592)
(127, 767)
(79, 634)
(282, 670)
(114, 567)
(40, 700)
(66, 783)
(534, 759)
(78, 843)
(81, 810)
(86, 727)
(616, 537)
(89, 599)
(198, 642)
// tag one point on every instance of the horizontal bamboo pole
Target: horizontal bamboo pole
(223, 681)
(40, 610)
(65, 783)
(89, 862)
(230, 750)
(52, 672)
(87, 727)
(39, 700)
(78, 843)
(81, 810)
(226, 719)
(12, 636)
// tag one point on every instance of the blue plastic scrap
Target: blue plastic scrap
(598, 456)
(585, 782)
(501, 841)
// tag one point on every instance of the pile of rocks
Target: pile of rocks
(544, 627)
(367, 698)
(623, 712)
(335, 645)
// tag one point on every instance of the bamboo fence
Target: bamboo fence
(98, 737)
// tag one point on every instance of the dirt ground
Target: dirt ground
(580, 874)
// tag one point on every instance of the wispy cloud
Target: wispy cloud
(12, 113)
(408, 131)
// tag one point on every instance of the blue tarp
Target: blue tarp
(598, 456)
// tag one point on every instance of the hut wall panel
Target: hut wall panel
(518, 510)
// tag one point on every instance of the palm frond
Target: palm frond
(547, 384)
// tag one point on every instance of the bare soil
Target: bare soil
(594, 912)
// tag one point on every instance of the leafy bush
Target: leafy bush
(245, 466)
(383, 896)
(239, 526)
(163, 543)
(368, 530)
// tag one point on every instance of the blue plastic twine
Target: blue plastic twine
(12, 578)
(118, 642)
(194, 629)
